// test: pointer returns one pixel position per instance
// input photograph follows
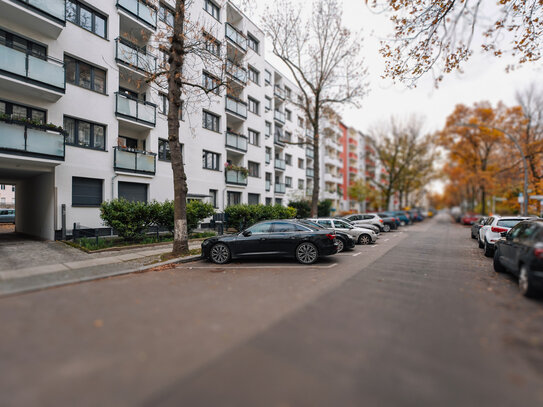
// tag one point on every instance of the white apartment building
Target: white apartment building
(7, 196)
(81, 65)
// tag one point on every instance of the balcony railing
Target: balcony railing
(353, 170)
(53, 8)
(278, 138)
(309, 172)
(279, 164)
(130, 54)
(279, 116)
(46, 72)
(279, 92)
(310, 153)
(236, 37)
(141, 10)
(236, 141)
(134, 161)
(33, 140)
(236, 106)
(236, 71)
(268, 185)
(235, 177)
(280, 188)
(134, 109)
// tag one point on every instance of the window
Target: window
(254, 169)
(84, 75)
(325, 223)
(166, 15)
(300, 121)
(265, 227)
(288, 113)
(22, 112)
(288, 92)
(164, 150)
(300, 184)
(254, 75)
(288, 182)
(268, 155)
(86, 18)
(253, 105)
(133, 191)
(254, 137)
(300, 163)
(3, 187)
(267, 77)
(164, 106)
(278, 201)
(13, 188)
(211, 121)
(288, 136)
(268, 129)
(212, 9)
(22, 44)
(213, 46)
(268, 105)
(85, 134)
(210, 160)
(300, 99)
(253, 199)
(213, 194)
(288, 159)
(252, 43)
(268, 201)
(211, 83)
(233, 198)
(86, 191)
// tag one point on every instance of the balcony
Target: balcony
(237, 72)
(18, 137)
(309, 153)
(310, 172)
(141, 11)
(353, 156)
(279, 92)
(134, 57)
(45, 17)
(236, 106)
(236, 37)
(268, 185)
(23, 74)
(353, 170)
(280, 188)
(279, 116)
(332, 178)
(134, 161)
(236, 141)
(278, 138)
(279, 164)
(235, 177)
(134, 110)
(353, 142)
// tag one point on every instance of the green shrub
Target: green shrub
(303, 208)
(129, 219)
(242, 216)
(324, 208)
(196, 212)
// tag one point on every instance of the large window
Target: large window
(300, 163)
(133, 191)
(268, 104)
(288, 114)
(254, 75)
(212, 9)
(288, 182)
(211, 83)
(267, 77)
(86, 191)
(254, 169)
(164, 105)
(85, 134)
(253, 43)
(253, 105)
(166, 15)
(300, 184)
(253, 199)
(210, 160)
(213, 194)
(212, 45)
(164, 150)
(268, 129)
(254, 137)
(211, 121)
(86, 18)
(22, 112)
(21, 44)
(288, 159)
(84, 75)
(233, 198)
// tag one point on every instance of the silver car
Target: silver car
(361, 234)
(362, 219)
(7, 215)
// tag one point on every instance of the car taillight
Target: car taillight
(381, 220)
(331, 236)
(496, 229)
(538, 253)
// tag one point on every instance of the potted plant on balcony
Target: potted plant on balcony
(232, 167)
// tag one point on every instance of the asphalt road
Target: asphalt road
(420, 319)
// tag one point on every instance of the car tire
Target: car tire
(473, 236)
(386, 228)
(498, 266)
(220, 254)
(525, 284)
(481, 244)
(364, 239)
(340, 245)
(307, 253)
(488, 250)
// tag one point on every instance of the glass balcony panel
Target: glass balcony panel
(44, 142)
(127, 54)
(54, 7)
(146, 162)
(125, 160)
(126, 106)
(236, 37)
(280, 164)
(146, 113)
(235, 177)
(12, 61)
(147, 14)
(236, 107)
(280, 188)
(236, 71)
(46, 72)
(130, 5)
(12, 136)
(236, 141)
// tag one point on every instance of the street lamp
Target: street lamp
(519, 148)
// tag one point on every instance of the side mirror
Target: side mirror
(246, 233)
(503, 234)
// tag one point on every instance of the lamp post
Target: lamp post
(519, 148)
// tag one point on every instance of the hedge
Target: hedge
(242, 216)
(303, 208)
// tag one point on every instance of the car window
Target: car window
(513, 233)
(260, 228)
(325, 223)
(284, 227)
(3, 212)
(526, 231)
(341, 224)
(311, 224)
(508, 223)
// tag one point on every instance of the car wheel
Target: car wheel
(481, 244)
(525, 282)
(340, 246)
(220, 253)
(386, 228)
(498, 267)
(307, 253)
(489, 250)
(364, 239)
(402, 223)
(472, 235)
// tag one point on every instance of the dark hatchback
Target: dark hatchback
(478, 225)
(285, 238)
(520, 252)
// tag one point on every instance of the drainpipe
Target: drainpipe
(113, 186)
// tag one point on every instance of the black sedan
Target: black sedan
(286, 238)
(478, 225)
(520, 252)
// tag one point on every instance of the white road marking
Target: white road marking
(357, 254)
(386, 240)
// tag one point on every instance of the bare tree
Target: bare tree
(323, 58)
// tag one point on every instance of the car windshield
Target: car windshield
(508, 223)
(342, 224)
(311, 225)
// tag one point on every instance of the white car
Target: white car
(491, 231)
(362, 235)
(361, 219)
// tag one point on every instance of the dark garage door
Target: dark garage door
(132, 191)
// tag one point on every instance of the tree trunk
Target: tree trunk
(176, 60)
(316, 167)
(483, 201)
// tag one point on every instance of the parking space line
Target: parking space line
(256, 267)
(386, 240)
(357, 254)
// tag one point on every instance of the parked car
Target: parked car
(389, 222)
(469, 219)
(361, 219)
(416, 216)
(345, 241)
(520, 252)
(491, 231)
(7, 215)
(404, 217)
(477, 225)
(376, 229)
(393, 216)
(286, 238)
(361, 234)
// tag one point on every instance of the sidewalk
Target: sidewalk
(94, 266)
